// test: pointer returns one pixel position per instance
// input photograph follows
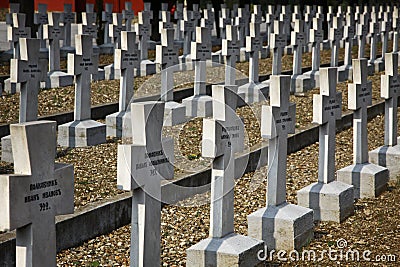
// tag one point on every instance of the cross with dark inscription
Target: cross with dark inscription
(327, 108)
(360, 97)
(374, 31)
(316, 38)
(277, 43)
(277, 121)
(165, 22)
(128, 15)
(188, 27)
(17, 30)
(140, 169)
(27, 71)
(361, 33)
(335, 35)
(143, 30)
(390, 91)
(196, 14)
(348, 47)
(54, 33)
(39, 190)
(67, 18)
(83, 64)
(88, 25)
(178, 15)
(201, 51)
(115, 29)
(13, 8)
(209, 18)
(40, 18)
(222, 138)
(298, 41)
(106, 16)
(253, 47)
(164, 7)
(257, 16)
(230, 50)
(241, 20)
(167, 56)
(224, 20)
(385, 28)
(126, 59)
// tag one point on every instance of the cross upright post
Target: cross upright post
(107, 18)
(40, 18)
(67, 18)
(230, 50)
(277, 43)
(53, 32)
(39, 190)
(128, 15)
(335, 35)
(17, 30)
(143, 30)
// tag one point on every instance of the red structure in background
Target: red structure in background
(79, 5)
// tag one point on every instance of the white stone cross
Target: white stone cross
(143, 30)
(396, 30)
(196, 14)
(230, 49)
(335, 35)
(126, 59)
(165, 21)
(167, 56)
(209, 18)
(277, 121)
(200, 52)
(115, 29)
(88, 25)
(67, 18)
(316, 38)
(327, 108)
(17, 30)
(240, 21)
(40, 18)
(106, 16)
(38, 191)
(220, 136)
(385, 28)
(360, 97)
(140, 169)
(164, 7)
(254, 45)
(178, 15)
(277, 43)
(390, 91)
(13, 8)
(128, 15)
(374, 31)
(361, 33)
(83, 64)
(188, 27)
(298, 41)
(224, 20)
(348, 35)
(54, 32)
(27, 71)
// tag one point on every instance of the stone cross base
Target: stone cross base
(253, 92)
(174, 113)
(107, 49)
(369, 180)
(215, 60)
(288, 50)
(99, 76)
(110, 73)
(345, 73)
(11, 88)
(59, 79)
(114, 124)
(284, 227)
(185, 63)
(330, 202)
(81, 133)
(147, 67)
(389, 157)
(198, 106)
(314, 76)
(378, 65)
(265, 52)
(231, 250)
(6, 149)
(65, 50)
(243, 55)
(300, 84)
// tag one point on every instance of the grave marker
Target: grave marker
(277, 43)
(178, 15)
(335, 35)
(40, 18)
(115, 34)
(331, 200)
(107, 18)
(128, 15)
(13, 8)
(38, 191)
(277, 121)
(143, 30)
(369, 180)
(67, 18)
(230, 50)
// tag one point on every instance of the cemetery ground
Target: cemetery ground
(375, 225)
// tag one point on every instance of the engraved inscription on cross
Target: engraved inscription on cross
(165, 22)
(188, 27)
(201, 49)
(167, 56)
(82, 64)
(360, 97)
(67, 18)
(128, 15)
(143, 30)
(316, 38)
(38, 191)
(230, 49)
(127, 58)
(141, 167)
(27, 71)
(115, 29)
(277, 43)
(277, 121)
(54, 33)
(390, 91)
(17, 30)
(327, 108)
(298, 40)
(88, 25)
(40, 18)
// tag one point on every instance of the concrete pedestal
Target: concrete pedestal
(147, 67)
(369, 180)
(378, 64)
(174, 113)
(81, 133)
(107, 49)
(65, 50)
(389, 157)
(231, 250)
(300, 84)
(110, 73)
(243, 55)
(185, 63)
(284, 227)
(330, 202)
(253, 92)
(198, 106)
(6, 149)
(114, 124)
(345, 73)
(59, 79)
(100, 76)
(11, 88)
